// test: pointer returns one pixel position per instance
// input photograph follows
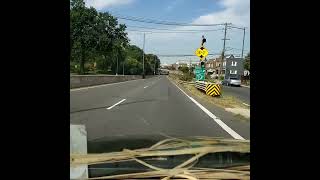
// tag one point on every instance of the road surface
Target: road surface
(243, 93)
(147, 107)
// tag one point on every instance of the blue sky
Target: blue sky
(236, 12)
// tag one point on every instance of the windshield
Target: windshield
(144, 71)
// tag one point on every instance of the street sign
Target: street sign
(200, 73)
(202, 53)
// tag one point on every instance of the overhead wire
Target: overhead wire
(138, 30)
(145, 20)
(186, 30)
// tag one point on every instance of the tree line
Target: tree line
(98, 42)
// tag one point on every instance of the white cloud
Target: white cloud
(101, 4)
(236, 12)
(172, 5)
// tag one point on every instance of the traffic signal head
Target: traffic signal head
(202, 64)
(203, 40)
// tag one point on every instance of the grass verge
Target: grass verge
(224, 101)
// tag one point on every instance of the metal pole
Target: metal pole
(154, 70)
(223, 50)
(244, 33)
(144, 37)
(190, 68)
(117, 65)
(123, 68)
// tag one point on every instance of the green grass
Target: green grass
(225, 101)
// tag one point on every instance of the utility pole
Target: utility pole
(154, 66)
(117, 65)
(223, 50)
(190, 67)
(123, 68)
(144, 37)
(244, 33)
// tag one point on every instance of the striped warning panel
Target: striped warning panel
(213, 89)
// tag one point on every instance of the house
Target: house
(234, 67)
(231, 67)
(210, 67)
(210, 64)
(217, 66)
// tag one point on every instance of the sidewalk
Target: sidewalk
(245, 86)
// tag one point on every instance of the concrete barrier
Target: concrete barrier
(77, 81)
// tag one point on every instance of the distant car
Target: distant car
(164, 72)
(232, 82)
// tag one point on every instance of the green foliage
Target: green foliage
(247, 62)
(186, 77)
(184, 69)
(96, 37)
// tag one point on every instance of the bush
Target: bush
(208, 76)
(184, 69)
(221, 78)
(186, 77)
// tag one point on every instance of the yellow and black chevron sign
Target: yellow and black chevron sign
(213, 89)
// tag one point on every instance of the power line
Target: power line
(183, 55)
(144, 20)
(143, 31)
(189, 30)
(236, 27)
(231, 48)
(163, 22)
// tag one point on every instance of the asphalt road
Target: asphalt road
(243, 93)
(145, 107)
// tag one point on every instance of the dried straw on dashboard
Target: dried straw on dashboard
(198, 146)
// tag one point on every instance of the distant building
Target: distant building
(210, 67)
(179, 64)
(231, 67)
(234, 67)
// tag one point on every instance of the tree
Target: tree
(112, 41)
(247, 62)
(96, 37)
(82, 31)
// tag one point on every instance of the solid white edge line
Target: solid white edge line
(145, 87)
(116, 104)
(215, 118)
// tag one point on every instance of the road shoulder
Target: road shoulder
(237, 122)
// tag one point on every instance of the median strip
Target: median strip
(116, 104)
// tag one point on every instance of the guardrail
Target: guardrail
(211, 89)
(200, 85)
